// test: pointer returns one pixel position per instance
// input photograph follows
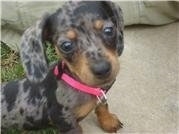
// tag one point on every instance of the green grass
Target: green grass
(51, 54)
(11, 68)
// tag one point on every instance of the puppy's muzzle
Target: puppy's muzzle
(101, 68)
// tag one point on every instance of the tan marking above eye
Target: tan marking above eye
(71, 34)
(98, 24)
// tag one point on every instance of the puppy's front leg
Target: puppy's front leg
(108, 121)
(67, 125)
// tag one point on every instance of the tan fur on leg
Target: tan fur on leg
(108, 122)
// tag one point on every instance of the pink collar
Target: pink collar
(98, 92)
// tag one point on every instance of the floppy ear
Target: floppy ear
(32, 52)
(117, 18)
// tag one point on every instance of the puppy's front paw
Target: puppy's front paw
(110, 123)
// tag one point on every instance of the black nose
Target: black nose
(101, 68)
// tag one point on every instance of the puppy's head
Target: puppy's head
(88, 36)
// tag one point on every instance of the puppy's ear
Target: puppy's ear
(117, 17)
(32, 52)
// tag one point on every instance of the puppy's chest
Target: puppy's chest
(80, 103)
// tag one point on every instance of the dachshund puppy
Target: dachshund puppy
(88, 37)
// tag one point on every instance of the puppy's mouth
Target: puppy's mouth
(103, 73)
(106, 84)
(103, 83)
(97, 81)
(101, 76)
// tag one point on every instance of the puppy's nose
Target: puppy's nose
(101, 68)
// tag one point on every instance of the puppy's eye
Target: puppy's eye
(108, 31)
(67, 46)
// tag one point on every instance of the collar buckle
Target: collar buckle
(102, 98)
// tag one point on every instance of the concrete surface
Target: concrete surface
(145, 95)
